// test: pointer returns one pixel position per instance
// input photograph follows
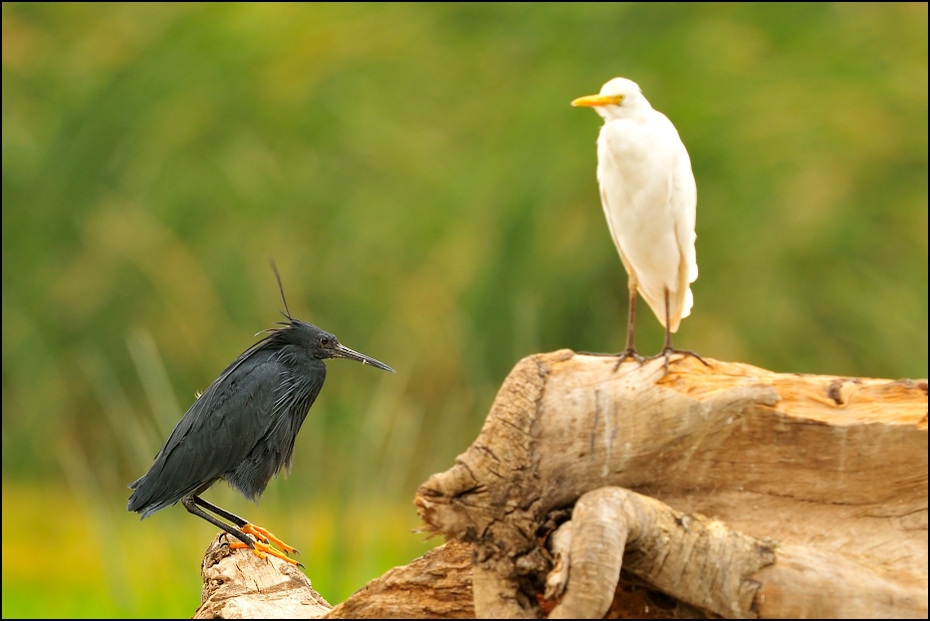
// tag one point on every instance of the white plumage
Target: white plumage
(649, 199)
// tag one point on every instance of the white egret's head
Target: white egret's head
(618, 98)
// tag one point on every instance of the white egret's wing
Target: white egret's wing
(683, 200)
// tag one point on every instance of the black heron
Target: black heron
(242, 429)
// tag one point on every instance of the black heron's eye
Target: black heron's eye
(324, 341)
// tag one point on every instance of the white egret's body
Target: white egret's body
(649, 199)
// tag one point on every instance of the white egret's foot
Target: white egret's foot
(668, 351)
(628, 353)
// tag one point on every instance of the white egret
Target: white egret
(649, 199)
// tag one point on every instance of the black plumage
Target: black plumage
(243, 427)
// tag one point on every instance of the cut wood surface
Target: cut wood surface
(733, 490)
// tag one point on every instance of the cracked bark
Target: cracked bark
(729, 491)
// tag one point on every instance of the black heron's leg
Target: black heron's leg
(265, 539)
(190, 503)
(244, 525)
(668, 350)
(223, 513)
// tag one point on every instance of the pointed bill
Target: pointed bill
(598, 100)
(341, 351)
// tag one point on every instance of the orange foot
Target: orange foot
(265, 543)
(261, 550)
(266, 537)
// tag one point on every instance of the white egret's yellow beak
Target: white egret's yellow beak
(598, 100)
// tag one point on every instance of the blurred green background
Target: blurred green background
(429, 196)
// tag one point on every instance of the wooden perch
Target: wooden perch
(239, 585)
(732, 490)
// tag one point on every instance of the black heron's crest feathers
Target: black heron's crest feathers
(274, 268)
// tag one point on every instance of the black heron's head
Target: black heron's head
(320, 344)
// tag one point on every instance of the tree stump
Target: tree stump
(726, 490)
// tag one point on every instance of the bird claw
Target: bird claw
(267, 537)
(628, 353)
(265, 543)
(262, 550)
(667, 353)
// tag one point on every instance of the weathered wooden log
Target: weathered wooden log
(733, 490)
(829, 473)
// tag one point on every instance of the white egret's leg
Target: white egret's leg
(630, 351)
(668, 350)
(631, 322)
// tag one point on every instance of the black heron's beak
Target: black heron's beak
(341, 351)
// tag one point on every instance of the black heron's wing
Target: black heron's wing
(216, 434)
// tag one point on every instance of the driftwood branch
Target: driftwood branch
(728, 490)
